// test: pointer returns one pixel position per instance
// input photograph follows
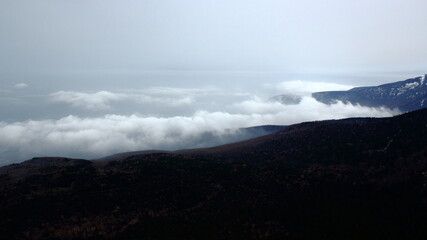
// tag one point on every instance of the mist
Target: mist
(169, 119)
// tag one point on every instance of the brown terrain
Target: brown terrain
(361, 178)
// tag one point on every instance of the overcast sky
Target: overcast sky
(167, 63)
(295, 37)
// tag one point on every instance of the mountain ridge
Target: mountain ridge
(407, 95)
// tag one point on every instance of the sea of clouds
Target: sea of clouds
(100, 123)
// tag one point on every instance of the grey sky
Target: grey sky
(86, 78)
(298, 37)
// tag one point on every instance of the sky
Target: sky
(88, 78)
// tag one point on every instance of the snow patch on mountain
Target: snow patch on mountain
(422, 78)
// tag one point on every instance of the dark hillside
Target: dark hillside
(340, 179)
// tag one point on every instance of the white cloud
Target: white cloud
(307, 110)
(5, 91)
(103, 100)
(91, 101)
(74, 136)
(170, 91)
(173, 102)
(21, 85)
(258, 106)
(307, 87)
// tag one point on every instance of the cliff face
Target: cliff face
(359, 178)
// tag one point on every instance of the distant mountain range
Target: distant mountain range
(359, 178)
(408, 95)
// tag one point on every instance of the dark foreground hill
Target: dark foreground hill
(358, 178)
(408, 95)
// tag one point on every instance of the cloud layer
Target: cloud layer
(299, 87)
(93, 137)
(21, 85)
(103, 100)
(92, 101)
